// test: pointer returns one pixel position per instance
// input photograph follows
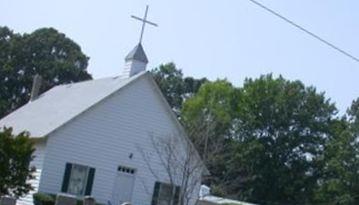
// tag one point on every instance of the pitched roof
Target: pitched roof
(137, 53)
(62, 103)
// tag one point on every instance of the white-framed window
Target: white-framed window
(165, 194)
(78, 179)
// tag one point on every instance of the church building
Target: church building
(102, 138)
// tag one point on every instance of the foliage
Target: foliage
(280, 130)
(43, 199)
(208, 120)
(15, 156)
(50, 199)
(217, 191)
(46, 52)
(174, 86)
(272, 131)
(339, 182)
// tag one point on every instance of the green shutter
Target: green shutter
(66, 179)
(90, 179)
(155, 193)
(176, 199)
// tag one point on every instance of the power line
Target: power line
(306, 31)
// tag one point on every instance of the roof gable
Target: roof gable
(62, 103)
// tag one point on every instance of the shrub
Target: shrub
(43, 199)
(50, 199)
(16, 153)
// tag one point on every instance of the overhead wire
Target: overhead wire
(331, 45)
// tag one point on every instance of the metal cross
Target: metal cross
(144, 21)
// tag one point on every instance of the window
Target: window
(126, 170)
(165, 194)
(78, 179)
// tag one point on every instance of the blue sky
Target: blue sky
(231, 39)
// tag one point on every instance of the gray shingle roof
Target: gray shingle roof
(137, 53)
(60, 104)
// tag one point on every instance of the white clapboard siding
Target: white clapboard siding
(105, 136)
(37, 162)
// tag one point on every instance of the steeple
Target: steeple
(136, 60)
(137, 54)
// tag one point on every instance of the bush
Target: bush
(43, 199)
(16, 153)
(50, 199)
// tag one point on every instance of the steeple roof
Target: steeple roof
(138, 54)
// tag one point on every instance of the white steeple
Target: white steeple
(136, 61)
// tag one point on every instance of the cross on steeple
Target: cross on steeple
(136, 60)
(144, 21)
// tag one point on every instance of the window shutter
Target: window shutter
(176, 199)
(66, 179)
(90, 179)
(155, 193)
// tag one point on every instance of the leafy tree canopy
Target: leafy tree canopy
(45, 51)
(208, 118)
(272, 131)
(339, 179)
(175, 87)
(15, 156)
(281, 126)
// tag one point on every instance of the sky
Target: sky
(232, 39)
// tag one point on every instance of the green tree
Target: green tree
(15, 156)
(281, 127)
(339, 182)
(208, 118)
(174, 86)
(271, 133)
(45, 51)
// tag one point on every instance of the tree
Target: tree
(281, 127)
(339, 181)
(46, 52)
(271, 133)
(174, 86)
(211, 110)
(181, 164)
(208, 118)
(15, 156)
